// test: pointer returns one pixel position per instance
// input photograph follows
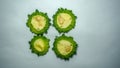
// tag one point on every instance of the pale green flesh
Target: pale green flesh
(39, 45)
(64, 20)
(64, 47)
(38, 22)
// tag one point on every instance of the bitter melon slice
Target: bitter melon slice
(64, 20)
(39, 45)
(38, 22)
(64, 47)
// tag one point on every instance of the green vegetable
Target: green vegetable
(38, 22)
(64, 47)
(64, 20)
(39, 45)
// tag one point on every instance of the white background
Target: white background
(97, 33)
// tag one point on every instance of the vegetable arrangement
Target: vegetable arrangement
(63, 20)
(38, 22)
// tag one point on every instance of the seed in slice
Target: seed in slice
(39, 45)
(64, 47)
(38, 22)
(64, 20)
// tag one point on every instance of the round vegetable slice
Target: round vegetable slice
(39, 45)
(38, 22)
(64, 20)
(64, 47)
